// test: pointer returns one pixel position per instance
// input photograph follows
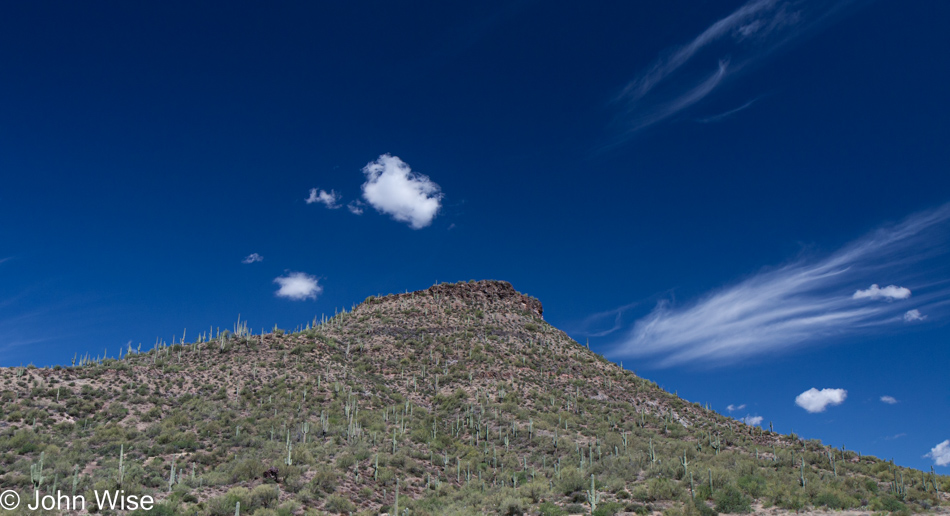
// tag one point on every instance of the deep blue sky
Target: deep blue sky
(685, 161)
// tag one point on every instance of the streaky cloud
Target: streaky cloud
(808, 301)
(727, 114)
(593, 325)
(663, 67)
(755, 30)
(688, 98)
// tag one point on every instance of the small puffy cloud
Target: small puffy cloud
(940, 453)
(329, 199)
(752, 420)
(298, 286)
(890, 400)
(392, 188)
(815, 401)
(356, 207)
(913, 315)
(252, 258)
(733, 408)
(889, 292)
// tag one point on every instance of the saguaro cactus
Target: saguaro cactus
(121, 464)
(802, 473)
(593, 497)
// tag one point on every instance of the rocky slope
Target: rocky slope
(460, 398)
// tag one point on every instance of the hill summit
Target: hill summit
(457, 399)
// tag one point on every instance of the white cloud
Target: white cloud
(889, 292)
(805, 302)
(298, 286)
(940, 453)
(356, 207)
(913, 315)
(394, 189)
(329, 199)
(815, 401)
(890, 400)
(253, 257)
(752, 420)
(664, 110)
(733, 408)
(727, 114)
(745, 36)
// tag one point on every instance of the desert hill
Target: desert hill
(458, 399)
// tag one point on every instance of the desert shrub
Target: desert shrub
(703, 492)
(753, 485)
(224, 505)
(703, 509)
(663, 489)
(324, 480)
(730, 500)
(264, 495)
(607, 509)
(834, 500)
(288, 508)
(246, 469)
(888, 503)
(338, 504)
(571, 481)
(511, 506)
(162, 509)
(550, 509)
(536, 490)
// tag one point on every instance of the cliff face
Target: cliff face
(499, 294)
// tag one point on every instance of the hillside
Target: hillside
(460, 398)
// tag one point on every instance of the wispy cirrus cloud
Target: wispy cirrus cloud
(890, 400)
(684, 75)
(727, 114)
(252, 258)
(808, 301)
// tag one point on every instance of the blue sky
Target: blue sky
(707, 191)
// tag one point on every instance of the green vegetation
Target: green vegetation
(457, 399)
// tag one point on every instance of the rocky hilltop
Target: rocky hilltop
(457, 399)
(500, 294)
